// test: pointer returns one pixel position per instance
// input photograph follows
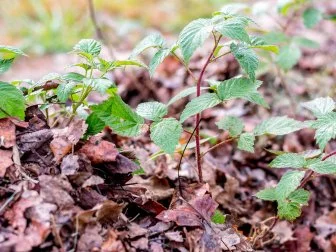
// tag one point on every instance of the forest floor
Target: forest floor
(61, 193)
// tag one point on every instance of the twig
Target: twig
(99, 32)
(182, 154)
(185, 66)
(217, 145)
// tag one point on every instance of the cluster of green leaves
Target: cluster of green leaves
(289, 194)
(12, 102)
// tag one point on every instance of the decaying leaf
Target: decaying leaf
(7, 133)
(5, 161)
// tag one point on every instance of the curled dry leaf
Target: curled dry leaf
(5, 161)
(99, 151)
(65, 139)
(7, 133)
(112, 243)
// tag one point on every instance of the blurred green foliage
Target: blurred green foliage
(46, 26)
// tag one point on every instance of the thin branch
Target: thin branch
(98, 31)
(218, 145)
(185, 66)
(182, 154)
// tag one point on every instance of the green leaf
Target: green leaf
(258, 42)
(153, 111)
(292, 160)
(12, 102)
(72, 76)
(311, 17)
(49, 77)
(320, 106)
(95, 124)
(193, 36)
(166, 134)
(218, 217)
(289, 210)
(139, 172)
(10, 52)
(157, 59)
(288, 184)
(323, 167)
(199, 104)
(123, 63)
(267, 194)
(288, 56)
(119, 116)
(184, 93)
(304, 42)
(246, 142)
(232, 124)
(88, 46)
(152, 40)
(233, 27)
(281, 125)
(239, 88)
(100, 85)
(64, 90)
(299, 196)
(325, 129)
(275, 38)
(5, 64)
(246, 58)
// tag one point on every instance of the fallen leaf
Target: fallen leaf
(174, 236)
(69, 164)
(65, 139)
(7, 133)
(5, 161)
(99, 151)
(112, 243)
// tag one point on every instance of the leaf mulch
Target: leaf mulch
(59, 192)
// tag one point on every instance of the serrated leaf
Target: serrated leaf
(88, 46)
(267, 194)
(152, 40)
(218, 217)
(246, 142)
(119, 116)
(49, 77)
(157, 59)
(233, 27)
(288, 160)
(12, 102)
(246, 58)
(232, 124)
(289, 210)
(166, 134)
(184, 93)
(193, 36)
(64, 90)
(95, 124)
(281, 125)
(288, 56)
(323, 167)
(320, 106)
(288, 184)
(259, 43)
(240, 88)
(311, 17)
(10, 52)
(199, 104)
(123, 63)
(325, 129)
(5, 64)
(100, 85)
(152, 110)
(275, 38)
(299, 196)
(72, 76)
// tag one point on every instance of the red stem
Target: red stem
(199, 116)
(311, 173)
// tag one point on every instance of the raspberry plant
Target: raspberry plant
(228, 34)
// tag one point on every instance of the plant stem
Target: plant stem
(311, 173)
(199, 116)
(218, 145)
(185, 66)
